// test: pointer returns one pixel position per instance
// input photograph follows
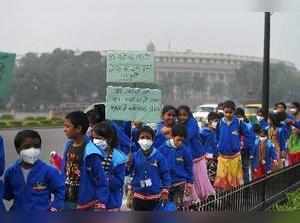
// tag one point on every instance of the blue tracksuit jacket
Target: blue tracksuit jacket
(179, 161)
(229, 136)
(93, 181)
(153, 167)
(35, 195)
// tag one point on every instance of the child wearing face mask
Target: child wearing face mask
(264, 154)
(260, 118)
(208, 135)
(277, 133)
(30, 182)
(114, 163)
(180, 164)
(194, 144)
(151, 177)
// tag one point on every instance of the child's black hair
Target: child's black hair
(240, 112)
(168, 108)
(213, 116)
(256, 128)
(24, 134)
(264, 132)
(106, 130)
(274, 118)
(146, 129)
(179, 130)
(260, 110)
(97, 114)
(186, 108)
(229, 104)
(297, 105)
(79, 119)
(281, 103)
(281, 116)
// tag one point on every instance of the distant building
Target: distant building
(189, 68)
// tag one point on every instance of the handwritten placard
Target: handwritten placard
(130, 67)
(133, 104)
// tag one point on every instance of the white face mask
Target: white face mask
(145, 144)
(263, 139)
(173, 143)
(30, 155)
(293, 110)
(214, 124)
(259, 118)
(275, 111)
(241, 119)
(100, 142)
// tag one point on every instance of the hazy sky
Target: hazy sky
(42, 25)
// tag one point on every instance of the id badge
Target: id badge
(142, 183)
(148, 182)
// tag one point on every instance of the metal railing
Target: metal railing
(258, 195)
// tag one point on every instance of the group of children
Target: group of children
(177, 162)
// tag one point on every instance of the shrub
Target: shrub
(45, 122)
(14, 123)
(29, 118)
(41, 118)
(3, 124)
(7, 117)
(31, 123)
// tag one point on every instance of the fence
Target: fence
(258, 195)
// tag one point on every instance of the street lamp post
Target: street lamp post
(266, 65)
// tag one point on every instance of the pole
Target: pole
(266, 65)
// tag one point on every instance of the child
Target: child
(151, 178)
(264, 154)
(277, 134)
(2, 167)
(97, 115)
(163, 131)
(180, 164)
(30, 182)
(208, 136)
(85, 180)
(114, 162)
(294, 140)
(247, 145)
(193, 142)
(260, 117)
(229, 132)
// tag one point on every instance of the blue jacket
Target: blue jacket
(2, 167)
(93, 181)
(229, 136)
(124, 141)
(270, 154)
(250, 140)
(160, 138)
(297, 124)
(179, 161)
(263, 124)
(152, 167)
(35, 195)
(283, 137)
(116, 176)
(193, 140)
(209, 140)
